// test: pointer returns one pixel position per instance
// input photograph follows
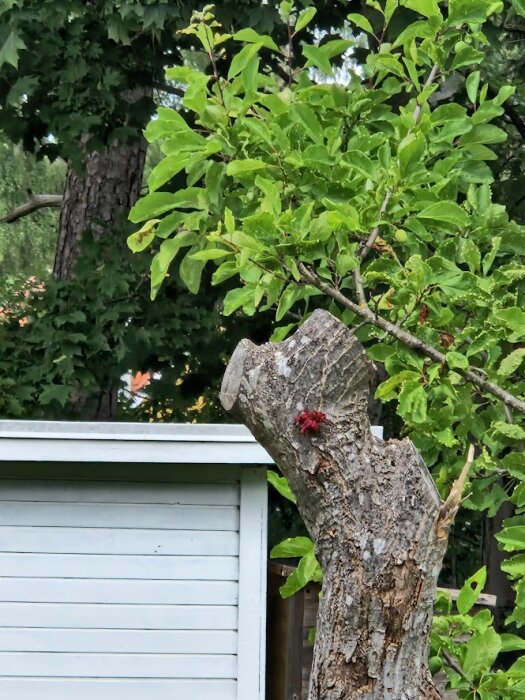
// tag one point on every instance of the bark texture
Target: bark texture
(97, 198)
(370, 506)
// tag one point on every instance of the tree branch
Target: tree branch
(431, 77)
(372, 237)
(35, 201)
(171, 89)
(411, 341)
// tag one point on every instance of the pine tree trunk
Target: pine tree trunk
(97, 198)
(370, 506)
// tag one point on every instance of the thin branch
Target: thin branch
(35, 201)
(359, 287)
(375, 233)
(514, 28)
(171, 89)
(431, 77)
(411, 341)
(455, 666)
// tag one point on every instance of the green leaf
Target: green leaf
(55, 392)
(10, 48)
(241, 167)
(484, 133)
(235, 298)
(387, 390)
(471, 590)
(450, 212)
(466, 55)
(140, 240)
(512, 538)
(280, 483)
(168, 250)
(410, 152)
(307, 570)
(306, 116)
(211, 254)
(281, 332)
(250, 36)
(304, 19)
(510, 430)
(427, 8)
(456, 360)
(514, 319)
(467, 12)
(511, 642)
(512, 362)
(292, 547)
(157, 203)
(166, 169)
(361, 21)
(190, 272)
(288, 298)
(472, 85)
(481, 652)
(507, 90)
(317, 58)
(241, 59)
(413, 402)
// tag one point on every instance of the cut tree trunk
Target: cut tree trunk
(370, 507)
(98, 199)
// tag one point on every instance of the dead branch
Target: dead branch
(35, 202)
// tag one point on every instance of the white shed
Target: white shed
(132, 562)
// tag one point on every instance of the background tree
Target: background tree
(83, 91)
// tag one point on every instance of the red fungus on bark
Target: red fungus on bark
(309, 420)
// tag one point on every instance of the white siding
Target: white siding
(119, 589)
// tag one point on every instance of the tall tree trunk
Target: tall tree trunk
(370, 506)
(96, 198)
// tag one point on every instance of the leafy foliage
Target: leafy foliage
(62, 346)
(55, 82)
(313, 194)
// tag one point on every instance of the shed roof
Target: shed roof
(170, 443)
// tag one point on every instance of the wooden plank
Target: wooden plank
(116, 689)
(119, 515)
(132, 451)
(105, 430)
(72, 566)
(79, 615)
(54, 540)
(110, 472)
(252, 585)
(138, 641)
(219, 494)
(56, 590)
(26, 665)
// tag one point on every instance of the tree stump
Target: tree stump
(370, 506)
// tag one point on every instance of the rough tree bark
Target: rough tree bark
(370, 506)
(96, 198)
